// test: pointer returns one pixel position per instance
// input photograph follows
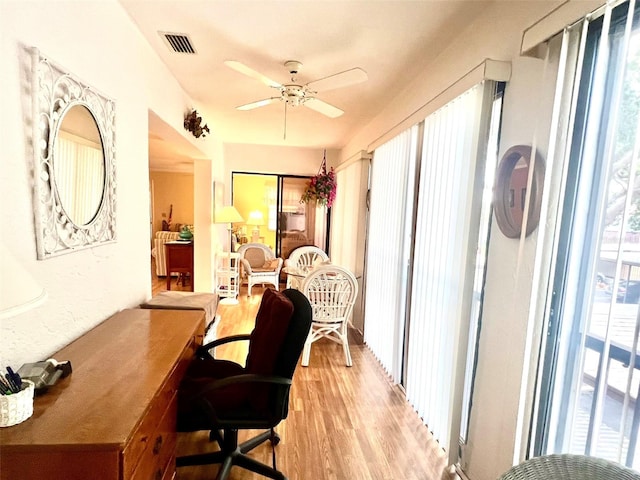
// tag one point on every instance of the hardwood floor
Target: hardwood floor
(343, 424)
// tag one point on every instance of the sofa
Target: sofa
(158, 253)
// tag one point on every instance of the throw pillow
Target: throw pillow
(271, 264)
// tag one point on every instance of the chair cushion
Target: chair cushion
(255, 257)
(267, 339)
(272, 323)
(265, 344)
(200, 373)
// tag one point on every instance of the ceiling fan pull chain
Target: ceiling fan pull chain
(285, 121)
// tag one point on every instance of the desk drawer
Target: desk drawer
(157, 432)
(144, 437)
(160, 453)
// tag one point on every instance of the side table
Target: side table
(179, 255)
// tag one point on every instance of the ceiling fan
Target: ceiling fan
(295, 94)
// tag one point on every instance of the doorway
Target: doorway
(274, 214)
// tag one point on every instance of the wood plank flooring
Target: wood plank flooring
(343, 424)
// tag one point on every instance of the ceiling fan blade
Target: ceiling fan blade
(323, 108)
(339, 80)
(242, 68)
(259, 103)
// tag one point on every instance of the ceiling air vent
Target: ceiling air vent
(178, 42)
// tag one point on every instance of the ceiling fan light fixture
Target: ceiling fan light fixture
(293, 94)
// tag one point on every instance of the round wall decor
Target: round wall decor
(511, 190)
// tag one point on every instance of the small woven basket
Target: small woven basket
(17, 407)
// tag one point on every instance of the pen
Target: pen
(5, 387)
(15, 378)
(4, 390)
(12, 386)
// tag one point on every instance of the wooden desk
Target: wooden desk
(114, 417)
(179, 259)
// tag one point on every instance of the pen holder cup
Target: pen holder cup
(17, 407)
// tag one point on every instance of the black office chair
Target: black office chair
(223, 397)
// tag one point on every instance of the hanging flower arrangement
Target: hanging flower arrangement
(322, 187)
(192, 122)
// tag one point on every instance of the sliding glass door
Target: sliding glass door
(270, 205)
(590, 386)
(427, 230)
(299, 223)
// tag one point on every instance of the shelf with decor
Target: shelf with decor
(228, 277)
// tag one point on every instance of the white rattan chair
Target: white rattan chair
(259, 265)
(569, 467)
(332, 292)
(303, 259)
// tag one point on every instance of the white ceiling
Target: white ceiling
(391, 40)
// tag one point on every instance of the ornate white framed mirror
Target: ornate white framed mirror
(74, 170)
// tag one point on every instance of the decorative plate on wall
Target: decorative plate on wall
(510, 194)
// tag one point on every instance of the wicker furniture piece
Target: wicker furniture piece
(259, 265)
(303, 260)
(569, 467)
(332, 292)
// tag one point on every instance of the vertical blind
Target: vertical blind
(79, 168)
(441, 263)
(588, 396)
(389, 237)
(420, 273)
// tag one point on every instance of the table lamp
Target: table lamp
(228, 214)
(256, 219)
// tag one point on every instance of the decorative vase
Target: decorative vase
(185, 234)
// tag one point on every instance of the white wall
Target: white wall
(97, 42)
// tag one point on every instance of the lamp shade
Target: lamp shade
(227, 214)
(19, 291)
(255, 218)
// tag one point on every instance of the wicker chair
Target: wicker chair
(303, 259)
(569, 467)
(332, 292)
(258, 265)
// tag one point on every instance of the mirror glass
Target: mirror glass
(510, 200)
(78, 161)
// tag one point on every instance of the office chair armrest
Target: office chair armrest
(244, 378)
(203, 350)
